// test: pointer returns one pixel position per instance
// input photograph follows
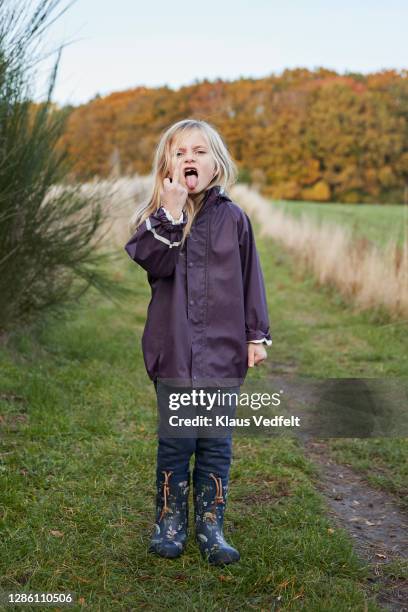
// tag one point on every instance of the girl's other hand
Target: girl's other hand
(174, 195)
(256, 353)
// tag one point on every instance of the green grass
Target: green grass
(376, 222)
(78, 449)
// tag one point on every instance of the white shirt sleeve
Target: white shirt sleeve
(264, 340)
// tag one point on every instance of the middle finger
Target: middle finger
(176, 171)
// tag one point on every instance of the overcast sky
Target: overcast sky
(121, 44)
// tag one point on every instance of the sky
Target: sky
(122, 44)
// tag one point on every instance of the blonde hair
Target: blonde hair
(225, 175)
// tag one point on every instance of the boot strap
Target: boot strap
(218, 494)
(219, 499)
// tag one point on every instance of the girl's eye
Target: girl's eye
(181, 153)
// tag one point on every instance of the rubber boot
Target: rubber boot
(171, 528)
(210, 495)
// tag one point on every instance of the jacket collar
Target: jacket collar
(214, 195)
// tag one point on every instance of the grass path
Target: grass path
(317, 333)
(77, 463)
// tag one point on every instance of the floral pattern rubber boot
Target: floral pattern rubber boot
(209, 506)
(171, 527)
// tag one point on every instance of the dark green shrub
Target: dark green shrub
(48, 236)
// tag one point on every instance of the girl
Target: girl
(207, 320)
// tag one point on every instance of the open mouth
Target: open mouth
(191, 176)
(190, 171)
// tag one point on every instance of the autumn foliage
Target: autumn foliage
(304, 135)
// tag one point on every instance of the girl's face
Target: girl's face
(197, 165)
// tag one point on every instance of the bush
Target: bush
(48, 255)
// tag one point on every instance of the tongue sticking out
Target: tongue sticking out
(191, 180)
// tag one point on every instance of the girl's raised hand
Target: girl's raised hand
(174, 194)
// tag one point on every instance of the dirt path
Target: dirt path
(371, 517)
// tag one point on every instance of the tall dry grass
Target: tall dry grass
(119, 198)
(370, 277)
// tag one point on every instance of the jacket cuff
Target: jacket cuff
(171, 218)
(165, 220)
(259, 338)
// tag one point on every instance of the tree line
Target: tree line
(303, 135)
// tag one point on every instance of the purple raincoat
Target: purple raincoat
(208, 300)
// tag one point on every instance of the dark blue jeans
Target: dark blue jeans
(212, 454)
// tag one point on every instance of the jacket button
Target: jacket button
(191, 264)
(191, 302)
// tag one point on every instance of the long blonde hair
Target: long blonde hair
(225, 175)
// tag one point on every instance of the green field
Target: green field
(78, 462)
(377, 222)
